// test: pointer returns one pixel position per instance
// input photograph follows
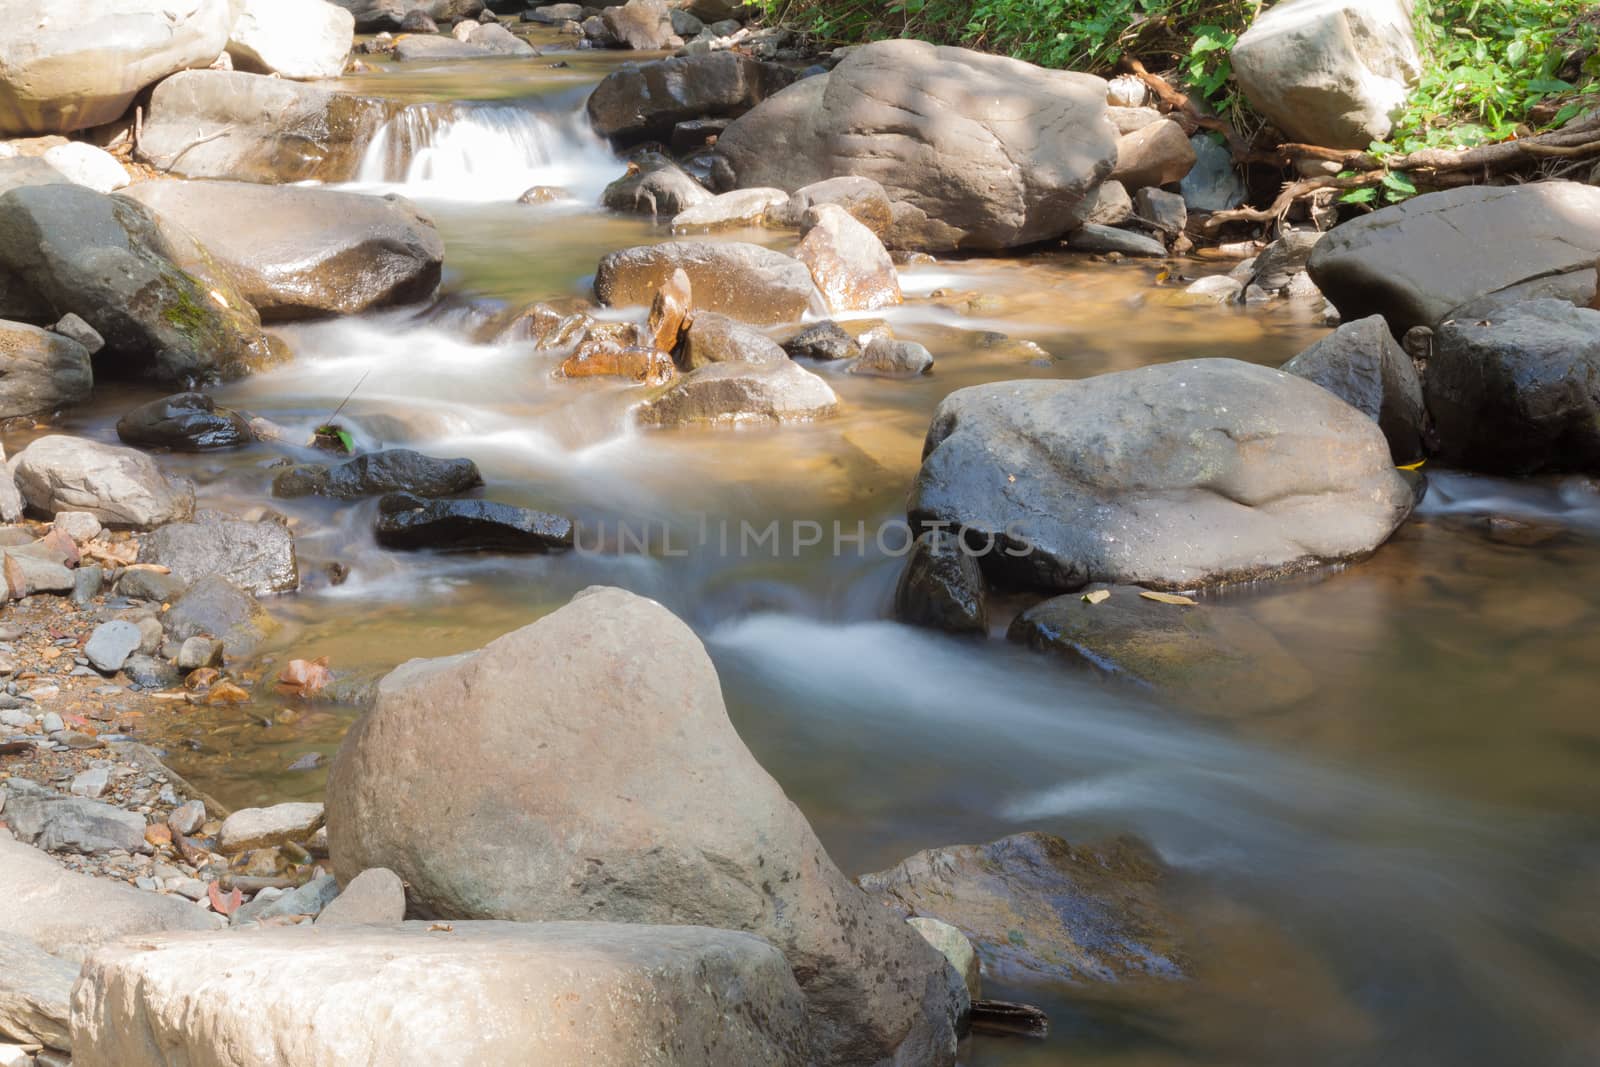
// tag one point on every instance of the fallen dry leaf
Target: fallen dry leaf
(1097, 596)
(227, 693)
(444, 928)
(223, 903)
(1168, 598)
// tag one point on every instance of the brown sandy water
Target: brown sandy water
(1400, 866)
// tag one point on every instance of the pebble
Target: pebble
(91, 783)
(112, 643)
(52, 722)
(188, 817)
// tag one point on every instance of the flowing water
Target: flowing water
(1401, 867)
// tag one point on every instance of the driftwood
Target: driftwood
(1427, 168)
(1004, 1018)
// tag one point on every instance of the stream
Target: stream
(1401, 868)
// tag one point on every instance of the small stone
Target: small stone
(52, 723)
(955, 947)
(157, 835)
(187, 817)
(308, 762)
(197, 652)
(146, 883)
(81, 526)
(192, 888)
(86, 583)
(112, 643)
(376, 895)
(893, 359)
(91, 783)
(256, 828)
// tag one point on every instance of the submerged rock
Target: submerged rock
(955, 136)
(885, 357)
(394, 470)
(826, 341)
(1361, 364)
(646, 809)
(186, 422)
(1519, 393)
(1173, 476)
(118, 486)
(1037, 908)
(1210, 657)
(1103, 239)
(406, 521)
(608, 994)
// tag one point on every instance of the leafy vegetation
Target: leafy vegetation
(1491, 64)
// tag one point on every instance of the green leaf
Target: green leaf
(1548, 85)
(1359, 196)
(346, 440)
(1396, 182)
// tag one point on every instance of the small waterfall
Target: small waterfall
(486, 152)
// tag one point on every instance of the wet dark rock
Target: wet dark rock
(215, 607)
(1283, 259)
(1361, 364)
(1212, 658)
(186, 422)
(941, 587)
(1163, 210)
(826, 341)
(407, 521)
(105, 259)
(1414, 263)
(1036, 907)
(695, 133)
(1177, 475)
(258, 557)
(656, 187)
(1520, 393)
(1104, 239)
(395, 470)
(417, 22)
(645, 101)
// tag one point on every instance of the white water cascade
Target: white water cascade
(486, 152)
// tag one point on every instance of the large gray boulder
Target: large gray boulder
(982, 152)
(746, 281)
(1334, 73)
(1519, 393)
(250, 127)
(298, 252)
(165, 312)
(1415, 263)
(67, 913)
(35, 994)
(1361, 364)
(258, 557)
(643, 102)
(291, 38)
(1172, 476)
(594, 993)
(119, 486)
(40, 371)
(647, 808)
(73, 64)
